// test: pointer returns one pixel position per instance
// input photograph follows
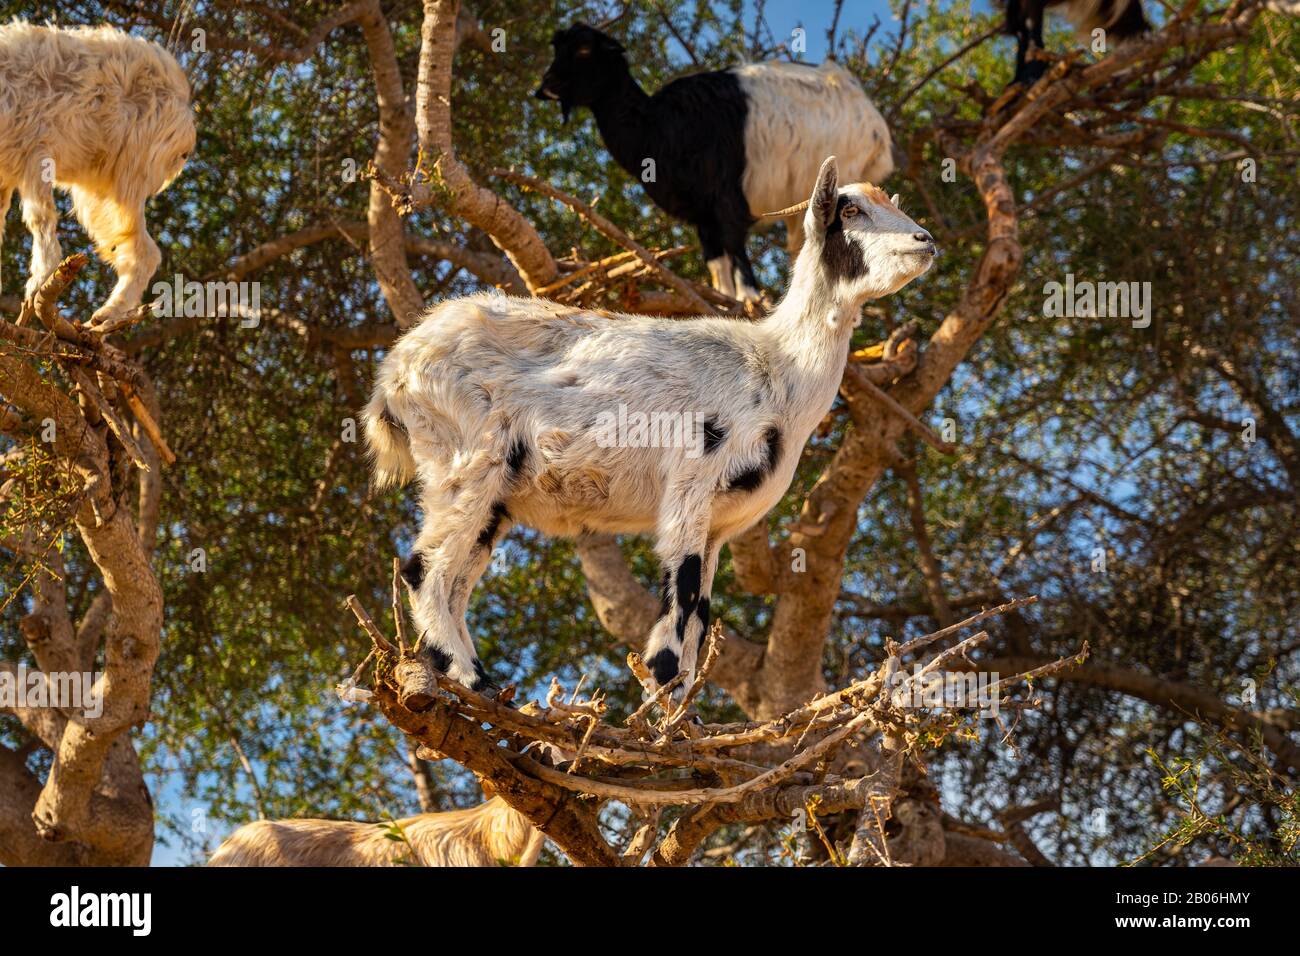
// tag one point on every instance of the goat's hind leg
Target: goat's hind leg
(465, 515)
(41, 217)
(122, 240)
(462, 586)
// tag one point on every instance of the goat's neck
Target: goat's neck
(810, 329)
(622, 115)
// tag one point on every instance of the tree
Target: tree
(1077, 439)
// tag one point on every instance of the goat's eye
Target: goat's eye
(850, 211)
(583, 51)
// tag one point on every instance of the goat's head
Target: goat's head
(585, 62)
(858, 240)
(174, 143)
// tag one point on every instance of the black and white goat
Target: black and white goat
(717, 149)
(503, 409)
(1121, 19)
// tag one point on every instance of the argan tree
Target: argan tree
(1135, 472)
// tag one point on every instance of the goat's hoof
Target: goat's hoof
(417, 688)
(105, 313)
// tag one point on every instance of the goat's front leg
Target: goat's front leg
(734, 240)
(41, 217)
(721, 269)
(122, 241)
(686, 555)
(465, 516)
(1031, 60)
(693, 643)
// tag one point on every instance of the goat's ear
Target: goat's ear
(825, 194)
(894, 200)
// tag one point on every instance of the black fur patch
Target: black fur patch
(693, 129)
(413, 570)
(688, 591)
(751, 478)
(480, 676)
(439, 658)
(517, 458)
(663, 665)
(841, 258)
(666, 593)
(715, 433)
(488, 535)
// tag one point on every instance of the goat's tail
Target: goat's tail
(390, 446)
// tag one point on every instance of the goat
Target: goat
(486, 835)
(718, 148)
(1121, 19)
(513, 410)
(104, 115)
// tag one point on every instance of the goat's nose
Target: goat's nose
(922, 237)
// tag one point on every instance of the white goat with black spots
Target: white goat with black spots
(104, 115)
(502, 409)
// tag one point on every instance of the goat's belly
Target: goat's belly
(576, 499)
(561, 519)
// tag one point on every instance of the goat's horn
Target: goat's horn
(787, 211)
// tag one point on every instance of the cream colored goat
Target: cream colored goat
(104, 115)
(485, 835)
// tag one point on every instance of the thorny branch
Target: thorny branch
(556, 761)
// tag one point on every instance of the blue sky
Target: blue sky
(815, 16)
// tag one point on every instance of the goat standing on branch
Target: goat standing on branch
(1120, 19)
(505, 411)
(718, 149)
(487, 835)
(104, 115)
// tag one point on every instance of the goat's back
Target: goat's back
(798, 115)
(106, 106)
(480, 836)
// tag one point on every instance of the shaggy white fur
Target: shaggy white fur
(105, 116)
(486, 835)
(501, 406)
(796, 114)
